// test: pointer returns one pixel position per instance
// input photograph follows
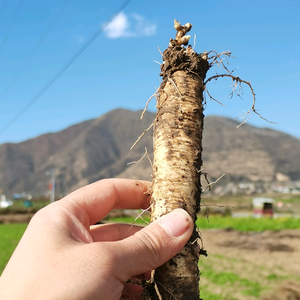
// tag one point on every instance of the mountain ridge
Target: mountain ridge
(99, 148)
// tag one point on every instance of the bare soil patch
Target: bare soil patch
(15, 218)
(261, 241)
(288, 290)
(268, 262)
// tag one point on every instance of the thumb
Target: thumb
(155, 244)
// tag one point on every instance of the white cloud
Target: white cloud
(129, 26)
(118, 27)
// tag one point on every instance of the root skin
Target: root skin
(177, 162)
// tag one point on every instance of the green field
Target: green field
(10, 235)
(241, 224)
(248, 224)
(19, 207)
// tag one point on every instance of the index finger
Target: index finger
(93, 202)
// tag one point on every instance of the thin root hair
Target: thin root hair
(194, 41)
(237, 83)
(139, 216)
(210, 183)
(212, 98)
(158, 294)
(151, 125)
(145, 109)
(206, 209)
(218, 59)
(175, 87)
(145, 154)
(162, 56)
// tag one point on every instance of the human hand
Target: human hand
(63, 256)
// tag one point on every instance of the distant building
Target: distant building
(263, 207)
(4, 202)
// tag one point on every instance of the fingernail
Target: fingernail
(176, 223)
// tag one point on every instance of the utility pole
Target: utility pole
(52, 185)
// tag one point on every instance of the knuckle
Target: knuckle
(152, 244)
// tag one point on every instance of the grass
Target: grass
(207, 295)
(18, 207)
(231, 279)
(273, 276)
(235, 282)
(241, 224)
(288, 199)
(10, 235)
(248, 224)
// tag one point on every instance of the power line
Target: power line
(11, 26)
(68, 64)
(40, 40)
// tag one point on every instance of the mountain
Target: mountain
(99, 148)
(249, 152)
(81, 154)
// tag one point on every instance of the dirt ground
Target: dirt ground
(15, 218)
(268, 262)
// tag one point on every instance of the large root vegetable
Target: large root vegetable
(177, 159)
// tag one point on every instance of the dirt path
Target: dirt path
(15, 218)
(245, 266)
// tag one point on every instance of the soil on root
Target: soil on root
(176, 59)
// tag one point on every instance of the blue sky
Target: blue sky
(118, 69)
